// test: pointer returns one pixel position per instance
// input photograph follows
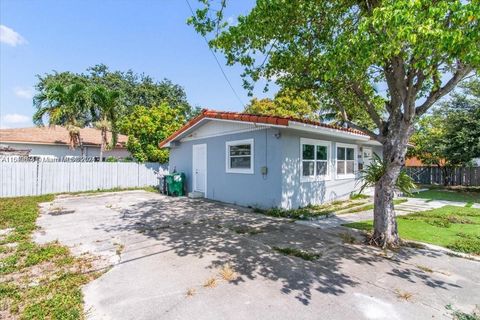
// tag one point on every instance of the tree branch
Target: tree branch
(343, 112)
(412, 90)
(372, 134)
(370, 106)
(438, 93)
(394, 72)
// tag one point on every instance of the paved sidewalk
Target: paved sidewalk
(412, 205)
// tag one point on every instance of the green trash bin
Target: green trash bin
(175, 184)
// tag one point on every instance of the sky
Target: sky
(149, 36)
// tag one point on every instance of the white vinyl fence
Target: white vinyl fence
(36, 178)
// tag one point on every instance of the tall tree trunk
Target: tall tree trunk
(384, 218)
(385, 224)
(104, 143)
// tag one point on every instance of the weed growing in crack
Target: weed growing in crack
(302, 254)
(228, 273)
(210, 283)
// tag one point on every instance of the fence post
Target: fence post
(36, 177)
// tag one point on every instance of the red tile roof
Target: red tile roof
(416, 162)
(55, 135)
(254, 118)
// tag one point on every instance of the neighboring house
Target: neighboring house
(263, 161)
(416, 162)
(53, 142)
(6, 151)
(413, 162)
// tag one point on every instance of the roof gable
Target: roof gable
(213, 127)
(275, 121)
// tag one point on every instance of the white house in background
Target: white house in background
(53, 142)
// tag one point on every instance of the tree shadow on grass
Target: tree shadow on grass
(246, 240)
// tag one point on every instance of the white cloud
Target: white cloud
(10, 36)
(15, 118)
(26, 93)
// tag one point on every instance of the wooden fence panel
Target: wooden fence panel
(463, 176)
(36, 178)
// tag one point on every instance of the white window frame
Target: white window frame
(316, 143)
(355, 161)
(228, 144)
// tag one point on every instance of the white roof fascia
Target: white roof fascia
(327, 131)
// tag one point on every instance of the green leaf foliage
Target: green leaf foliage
(449, 136)
(375, 171)
(135, 89)
(147, 127)
(349, 51)
(109, 100)
(287, 103)
(64, 104)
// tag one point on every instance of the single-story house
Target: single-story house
(266, 161)
(53, 142)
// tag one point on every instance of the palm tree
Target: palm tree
(63, 105)
(106, 105)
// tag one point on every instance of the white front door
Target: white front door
(199, 168)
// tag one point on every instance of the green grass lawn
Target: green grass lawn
(38, 281)
(450, 195)
(456, 228)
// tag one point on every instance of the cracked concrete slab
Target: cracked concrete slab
(161, 247)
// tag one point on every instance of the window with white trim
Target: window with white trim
(239, 156)
(346, 160)
(315, 155)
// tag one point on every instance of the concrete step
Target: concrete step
(196, 195)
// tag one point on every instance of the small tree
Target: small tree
(287, 103)
(428, 141)
(449, 135)
(63, 105)
(147, 127)
(462, 124)
(348, 51)
(106, 111)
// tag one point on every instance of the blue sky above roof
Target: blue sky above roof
(145, 36)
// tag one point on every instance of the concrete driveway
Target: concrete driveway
(161, 248)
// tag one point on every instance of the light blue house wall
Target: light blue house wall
(282, 186)
(255, 189)
(297, 193)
